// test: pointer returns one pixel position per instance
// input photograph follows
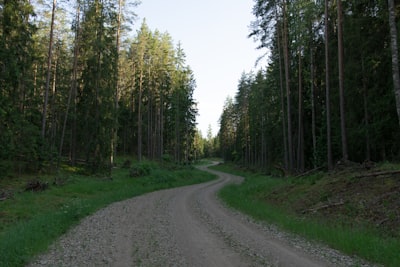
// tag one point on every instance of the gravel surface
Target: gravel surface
(186, 226)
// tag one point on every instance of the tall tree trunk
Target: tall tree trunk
(327, 91)
(114, 140)
(300, 141)
(47, 88)
(285, 145)
(64, 127)
(139, 138)
(341, 80)
(366, 113)
(177, 145)
(53, 110)
(98, 156)
(161, 148)
(132, 103)
(72, 95)
(287, 80)
(395, 55)
(313, 119)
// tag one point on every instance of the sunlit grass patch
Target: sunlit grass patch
(258, 197)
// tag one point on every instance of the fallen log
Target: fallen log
(374, 174)
(5, 195)
(36, 185)
(308, 172)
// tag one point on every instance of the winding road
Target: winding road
(186, 226)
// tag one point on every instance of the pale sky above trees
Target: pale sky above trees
(214, 37)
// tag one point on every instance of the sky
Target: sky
(213, 35)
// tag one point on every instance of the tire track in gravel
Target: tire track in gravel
(186, 226)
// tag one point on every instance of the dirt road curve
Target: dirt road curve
(185, 226)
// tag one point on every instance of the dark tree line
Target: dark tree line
(74, 87)
(327, 94)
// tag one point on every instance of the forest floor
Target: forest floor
(350, 195)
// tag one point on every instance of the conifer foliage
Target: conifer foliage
(327, 94)
(76, 84)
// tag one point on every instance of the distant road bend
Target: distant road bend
(186, 226)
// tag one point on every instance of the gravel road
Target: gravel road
(186, 226)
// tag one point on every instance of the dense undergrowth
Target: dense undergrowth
(356, 214)
(31, 220)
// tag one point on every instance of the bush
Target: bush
(127, 164)
(141, 169)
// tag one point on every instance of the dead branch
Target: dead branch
(324, 207)
(5, 195)
(309, 172)
(382, 222)
(36, 185)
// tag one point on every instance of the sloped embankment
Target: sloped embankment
(350, 195)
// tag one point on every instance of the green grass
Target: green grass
(363, 241)
(30, 222)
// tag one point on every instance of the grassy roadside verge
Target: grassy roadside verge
(362, 240)
(31, 221)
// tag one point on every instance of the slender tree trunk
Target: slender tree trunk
(395, 55)
(149, 116)
(313, 119)
(98, 156)
(366, 114)
(49, 58)
(139, 138)
(287, 80)
(161, 126)
(72, 94)
(341, 80)
(300, 141)
(133, 103)
(327, 91)
(64, 127)
(53, 110)
(177, 134)
(285, 145)
(114, 140)
(150, 124)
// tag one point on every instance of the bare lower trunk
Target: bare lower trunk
(300, 141)
(139, 139)
(313, 119)
(366, 115)
(341, 81)
(327, 91)
(395, 55)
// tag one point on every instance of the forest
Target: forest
(330, 93)
(79, 86)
